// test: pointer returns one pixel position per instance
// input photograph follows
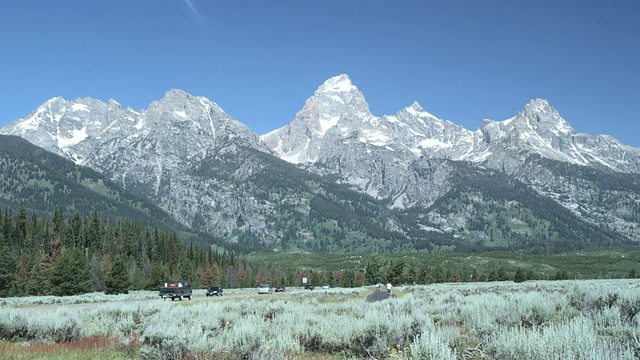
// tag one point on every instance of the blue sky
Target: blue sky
(462, 60)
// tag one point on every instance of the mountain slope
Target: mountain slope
(43, 181)
(347, 180)
(335, 134)
(214, 175)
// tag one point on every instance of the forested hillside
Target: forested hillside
(43, 181)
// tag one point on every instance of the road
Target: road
(90, 305)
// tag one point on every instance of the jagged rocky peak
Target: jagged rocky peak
(335, 108)
(540, 116)
(114, 103)
(178, 105)
(58, 100)
(340, 83)
(337, 94)
(538, 107)
(416, 109)
(177, 94)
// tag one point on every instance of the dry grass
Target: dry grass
(99, 348)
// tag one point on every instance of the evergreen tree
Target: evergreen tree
(158, 277)
(21, 226)
(632, 274)
(23, 274)
(493, 275)
(74, 231)
(439, 274)
(58, 221)
(394, 274)
(117, 281)
(372, 269)
(502, 274)
(94, 232)
(71, 274)
(8, 267)
(411, 275)
(37, 283)
(520, 275)
(562, 275)
(7, 222)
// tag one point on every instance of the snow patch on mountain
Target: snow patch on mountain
(72, 137)
(80, 107)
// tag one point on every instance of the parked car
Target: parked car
(308, 287)
(326, 286)
(215, 291)
(280, 288)
(264, 289)
(176, 289)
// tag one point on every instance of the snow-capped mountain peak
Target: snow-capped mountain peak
(79, 128)
(415, 109)
(336, 108)
(336, 129)
(340, 83)
(540, 111)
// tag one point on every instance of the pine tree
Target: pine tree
(70, 275)
(23, 274)
(439, 274)
(394, 274)
(58, 221)
(37, 284)
(158, 276)
(21, 225)
(372, 269)
(502, 274)
(8, 267)
(117, 281)
(94, 232)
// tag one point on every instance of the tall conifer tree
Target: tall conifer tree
(117, 281)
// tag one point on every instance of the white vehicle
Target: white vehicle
(264, 289)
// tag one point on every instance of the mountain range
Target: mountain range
(338, 178)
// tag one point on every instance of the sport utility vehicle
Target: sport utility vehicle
(215, 291)
(176, 289)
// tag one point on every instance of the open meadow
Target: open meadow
(585, 319)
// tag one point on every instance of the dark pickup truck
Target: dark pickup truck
(176, 289)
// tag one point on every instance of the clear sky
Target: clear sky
(462, 60)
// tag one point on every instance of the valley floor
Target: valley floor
(586, 319)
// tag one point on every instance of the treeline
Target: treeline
(54, 255)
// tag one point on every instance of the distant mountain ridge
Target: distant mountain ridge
(198, 163)
(338, 112)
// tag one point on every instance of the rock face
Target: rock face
(155, 152)
(403, 158)
(207, 169)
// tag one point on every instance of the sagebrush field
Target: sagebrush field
(587, 319)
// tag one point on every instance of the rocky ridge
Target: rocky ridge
(197, 162)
